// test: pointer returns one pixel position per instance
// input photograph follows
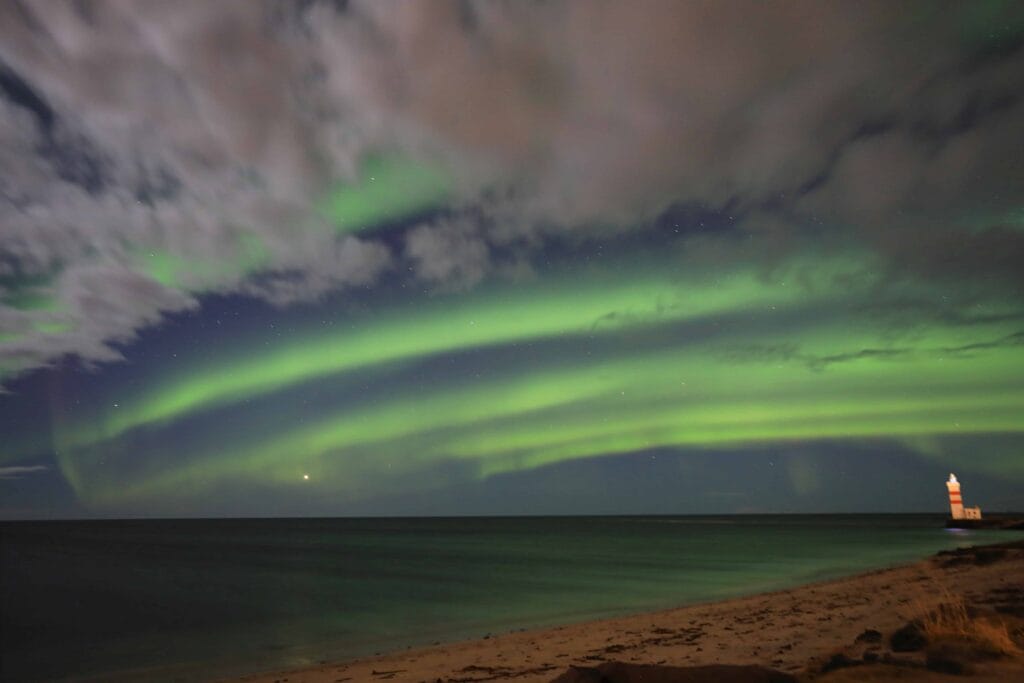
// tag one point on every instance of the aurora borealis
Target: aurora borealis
(370, 296)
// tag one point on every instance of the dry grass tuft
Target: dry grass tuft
(951, 623)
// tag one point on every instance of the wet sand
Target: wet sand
(796, 631)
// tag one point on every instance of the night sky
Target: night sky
(399, 258)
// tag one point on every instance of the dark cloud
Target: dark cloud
(19, 471)
(136, 137)
(1015, 339)
(20, 93)
(792, 352)
(450, 251)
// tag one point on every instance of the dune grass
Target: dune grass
(952, 623)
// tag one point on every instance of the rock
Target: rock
(870, 656)
(869, 636)
(947, 663)
(889, 658)
(987, 556)
(978, 555)
(909, 638)
(619, 672)
(839, 661)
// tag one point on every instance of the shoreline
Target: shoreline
(791, 630)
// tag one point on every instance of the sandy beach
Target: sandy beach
(837, 630)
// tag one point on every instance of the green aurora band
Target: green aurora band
(196, 273)
(771, 366)
(388, 189)
(574, 306)
(627, 355)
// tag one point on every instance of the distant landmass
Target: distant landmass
(1008, 521)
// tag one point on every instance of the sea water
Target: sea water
(196, 599)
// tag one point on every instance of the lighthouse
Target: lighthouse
(956, 503)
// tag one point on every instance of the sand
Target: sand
(795, 631)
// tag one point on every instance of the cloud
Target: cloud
(18, 471)
(150, 154)
(788, 352)
(448, 252)
(316, 268)
(149, 158)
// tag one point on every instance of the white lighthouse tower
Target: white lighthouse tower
(956, 503)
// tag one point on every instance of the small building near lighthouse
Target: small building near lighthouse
(956, 503)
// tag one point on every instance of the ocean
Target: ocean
(191, 600)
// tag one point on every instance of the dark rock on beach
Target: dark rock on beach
(839, 661)
(619, 672)
(947, 662)
(869, 636)
(909, 638)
